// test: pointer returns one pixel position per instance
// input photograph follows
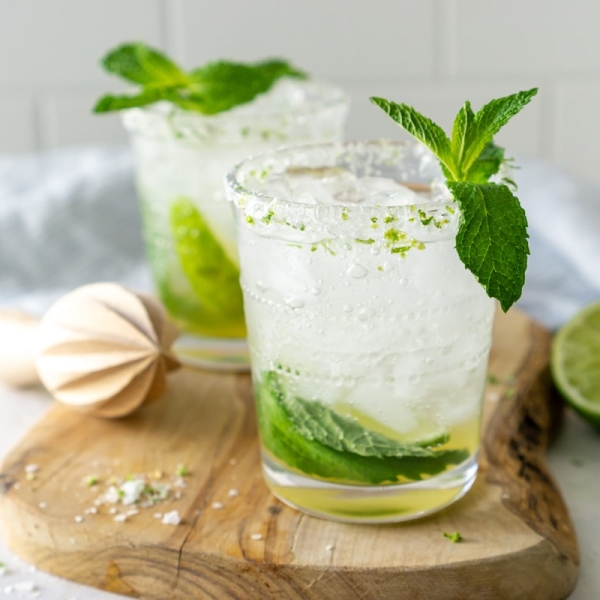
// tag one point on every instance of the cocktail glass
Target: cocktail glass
(188, 228)
(368, 337)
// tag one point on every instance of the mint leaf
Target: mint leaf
(315, 421)
(422, 128)
(492, 235)
(141, 64)
(285, 443)
(210, 272)
(492, 238)
(214, 88)
(490, 119)
(463, 132)
(221, 85)
(488, 163)
(110, 103)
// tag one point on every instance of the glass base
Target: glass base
(369, 504)
(216, 354)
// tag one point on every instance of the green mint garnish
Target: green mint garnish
(291, 436)
(216, 87)
(492, 235)
(315, 421)
(454, 537)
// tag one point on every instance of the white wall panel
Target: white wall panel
(51, 42)
(527, 36)
(67, 120)
(17, 123)
(329, 38)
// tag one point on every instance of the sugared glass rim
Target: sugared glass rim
(236, 190)
(327, 96)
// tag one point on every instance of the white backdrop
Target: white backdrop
(431, 53)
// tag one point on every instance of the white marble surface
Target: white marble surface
(574, 458)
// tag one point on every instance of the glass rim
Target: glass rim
(331, 96)
(236, 190)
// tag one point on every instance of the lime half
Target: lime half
(576, 363)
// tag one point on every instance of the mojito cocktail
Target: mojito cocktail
(369, 339)
(188, 128)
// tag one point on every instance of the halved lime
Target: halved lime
(576, 363)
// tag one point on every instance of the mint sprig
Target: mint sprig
(316, 421)
(492, 235)
(213, 88)
(300, 450)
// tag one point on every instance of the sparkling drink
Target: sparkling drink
(188, 228)
(368, 337)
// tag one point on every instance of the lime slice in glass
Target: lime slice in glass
(576, 363)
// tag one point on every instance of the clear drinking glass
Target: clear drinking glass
(188, 228)
(368, 337)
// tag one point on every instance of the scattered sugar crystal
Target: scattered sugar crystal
(177, 495)
(171, 518)
(233, 493)
(91, 511)
(120, 518)
(180, 482)
(256, 536)
(32, 468)
(42, 505)
(78, 519)
(217, 505)
(132, 512)
(158, 515)
(111, 495)
(493, 396)
(162, 490)
(112, 511)
(329, 547)
(132, 490)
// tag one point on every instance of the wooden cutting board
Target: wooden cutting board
(519, 542)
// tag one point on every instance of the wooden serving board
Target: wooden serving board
(519, 542)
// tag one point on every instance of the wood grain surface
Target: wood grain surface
(519, 542)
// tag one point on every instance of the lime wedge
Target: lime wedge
(576, 363)
(211, 273)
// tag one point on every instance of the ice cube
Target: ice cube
(384, 191)
(330, 185)
(278, 187)
(309, 191)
